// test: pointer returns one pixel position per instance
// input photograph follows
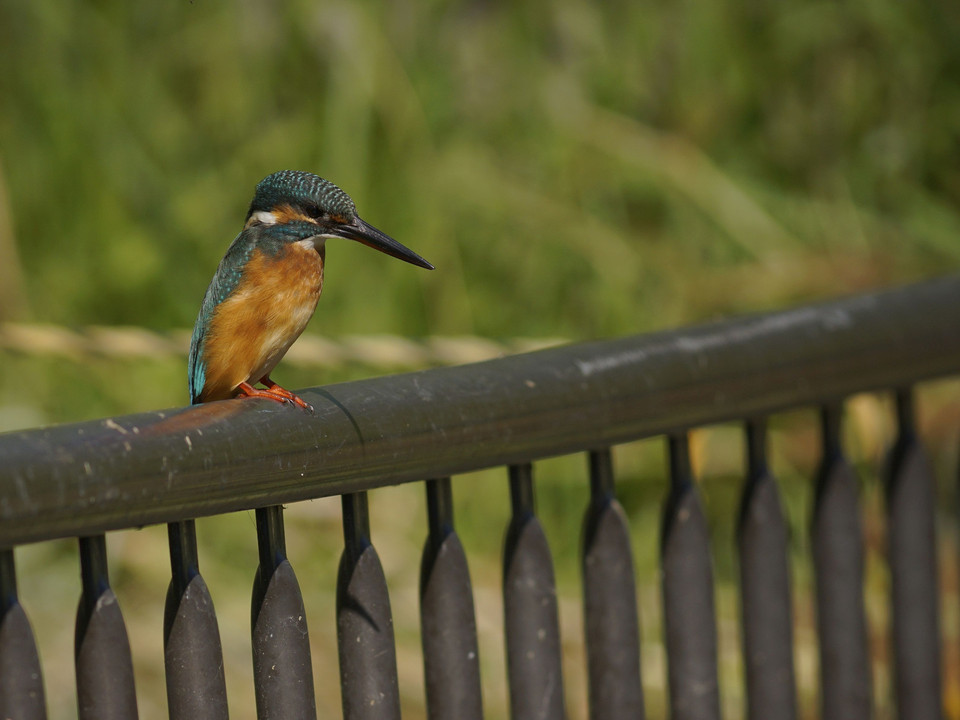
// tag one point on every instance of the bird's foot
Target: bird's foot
(285, 394)
(272, 392)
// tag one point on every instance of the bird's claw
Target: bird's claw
(300, 403)
(274, 392)
(285, 394)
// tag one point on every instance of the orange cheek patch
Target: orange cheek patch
(286, 214)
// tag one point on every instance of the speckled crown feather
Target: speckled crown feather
(298, 188)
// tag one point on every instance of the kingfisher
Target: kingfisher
(268, 283)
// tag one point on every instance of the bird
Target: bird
(267, 285)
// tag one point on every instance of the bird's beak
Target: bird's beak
(367, 234)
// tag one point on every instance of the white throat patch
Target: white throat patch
(313, 243)
(264, 217)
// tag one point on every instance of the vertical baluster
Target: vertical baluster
(913, 567)
(688, 604)
(105, 687)
(282, 669)
(449, 628)
(530, 610)
(368, 658)
(610, 601)
(21, 684)
(838, 565)
(765, 588)
(191, 639)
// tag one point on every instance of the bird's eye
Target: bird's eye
(315, 212)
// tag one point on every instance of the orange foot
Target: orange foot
(285, 394)
(273, 392)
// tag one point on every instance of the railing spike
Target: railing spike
(611, 626)
(368, 656)
(21, 681)
(193, 658)
(766, 607)
(530, 610)
(838, 565)
(912, 552)
(282, 667)
(688, 604)
(448, 625)
(105, 689)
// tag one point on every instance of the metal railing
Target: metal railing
(86, 479)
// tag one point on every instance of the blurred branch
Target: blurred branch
(310, 351)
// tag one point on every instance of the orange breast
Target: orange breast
(252, 329)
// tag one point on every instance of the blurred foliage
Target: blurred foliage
(572, 169)
(132, 137)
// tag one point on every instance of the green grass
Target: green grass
(568, 168)
(572, 169)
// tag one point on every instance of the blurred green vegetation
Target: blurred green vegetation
(573, 169)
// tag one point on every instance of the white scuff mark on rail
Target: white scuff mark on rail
(610, 362)
(105, 600)
(748, 331)
(422, 392)
(112, 425)
(837, 320)
(546, 702)
(831, 320)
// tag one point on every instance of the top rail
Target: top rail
(90, 477)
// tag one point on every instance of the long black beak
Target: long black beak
(367, 234)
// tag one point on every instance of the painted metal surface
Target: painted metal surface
(610, 620)
(765, 600)
(451, 656)
(530, 612)
(912, 554)
(87, 478)
(838, 560)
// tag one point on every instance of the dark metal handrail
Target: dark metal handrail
(81, 480)
(87, 478)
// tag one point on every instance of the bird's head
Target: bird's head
(316, 208)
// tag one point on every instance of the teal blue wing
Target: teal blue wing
(225, 281)
(196, 368)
